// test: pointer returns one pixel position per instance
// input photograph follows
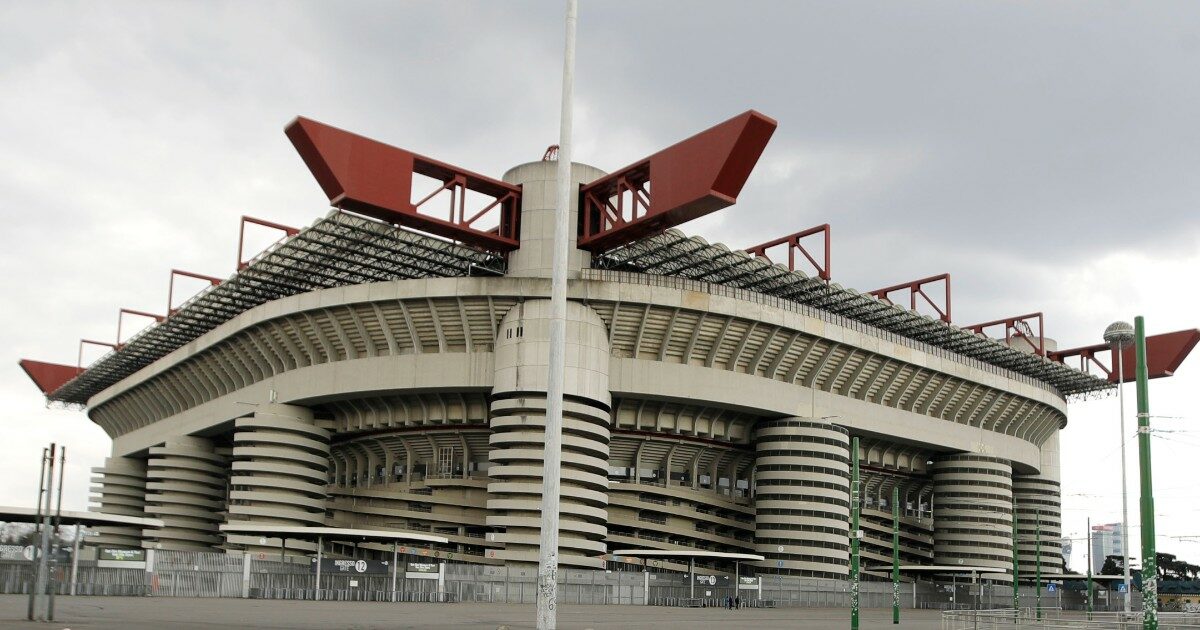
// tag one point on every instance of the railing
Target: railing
(1055, 618)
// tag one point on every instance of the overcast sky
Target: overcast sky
(1045, 153)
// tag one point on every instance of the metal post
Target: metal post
(547, 594)
(1090, 591)
(1124, 485)
(1038, 559)
(320, 547)
(691, 570)
(37, 530)
(75, 557)
(1149, 559)
(395, 568)
(52, 560)
(1016, 584)
(895, 554)
(43, 556)
(854, 533)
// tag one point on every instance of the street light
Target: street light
(1119, 335)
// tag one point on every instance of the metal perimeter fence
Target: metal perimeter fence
(1057, 619)
(234, 574)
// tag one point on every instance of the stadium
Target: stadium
(384, 368)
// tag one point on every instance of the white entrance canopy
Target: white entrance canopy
(685, 553)
(300, 532)
(949, 569)
(12, 514)
(1081, 576)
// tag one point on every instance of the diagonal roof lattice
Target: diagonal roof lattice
(339, 249)
(675, 254)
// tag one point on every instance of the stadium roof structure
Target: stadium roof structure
(338, 250)
(672, 253)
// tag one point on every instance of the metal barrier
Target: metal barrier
(1056, 619)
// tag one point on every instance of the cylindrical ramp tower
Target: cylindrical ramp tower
(185, 488)
(279, 473)
(517, 417)
(972, 511)
(802, 497)
(1039, 505)
(119, 487)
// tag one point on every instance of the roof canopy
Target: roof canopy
(300, 532)
(685, 553)
(12, 514)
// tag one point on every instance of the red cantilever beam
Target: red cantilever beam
(915, 288)
(129, 311)
(375, 179)
(690, 179)
(187, 274)
(49, 376)
(1013, 328)
(83, 342)
(287, 231)
(794, 245)
(1164, 354)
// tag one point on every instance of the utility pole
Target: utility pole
(1016, 566)
(43, 555)
(854, 533)
(547, 593)
(37, 531)
(1119, 335)
(896, 554)
(1089, 581)
(1038, 557)
(53, 562)
(1149, 559)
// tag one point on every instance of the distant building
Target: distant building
(1107, 540)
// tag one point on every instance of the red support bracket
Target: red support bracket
(82, 342)
(128, 311)
(794, 244)
(368, 177)
(187, 274)
(917, 287)
(1019, 326)
(287, 232)
(1164, 354)
(48, 376)
(690, 179)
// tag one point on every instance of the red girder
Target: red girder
(83, 342)
(1164, 354)
(48, 376)
(793, 244)
(1019, 326)
(121, 315)
(690, 179)
(917, 287)
(375, 179)
(287, 231)
(187, 274)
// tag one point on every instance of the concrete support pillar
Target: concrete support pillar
(538, 180)
(802, 497)
(279, 474)
(1039, 497)
(119, 487)
(185, 487)
(972, 511)
(517, 418)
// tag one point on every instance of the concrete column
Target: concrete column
(972, 511)
(185, 487)
(517, 418)
(119, 487)
(279, 473)
(1037, 496)
(538, 198)
(802, 497)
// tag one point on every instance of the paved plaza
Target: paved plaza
(144, 613)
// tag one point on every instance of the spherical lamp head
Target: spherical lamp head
(1119, 334)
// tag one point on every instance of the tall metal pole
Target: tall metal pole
(1090, 592)
(53, 562)
(320, 550)
(854, 533)
(1120, 335)
(37, 531)
(895, 554)
(547, 593)
(1038, 557)
(1016, 584)
(42, 570)
(1149, 559)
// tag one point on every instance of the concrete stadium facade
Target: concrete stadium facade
(695, 418)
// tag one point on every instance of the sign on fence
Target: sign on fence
(113, 558)
(331, 566)
(423, 570)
